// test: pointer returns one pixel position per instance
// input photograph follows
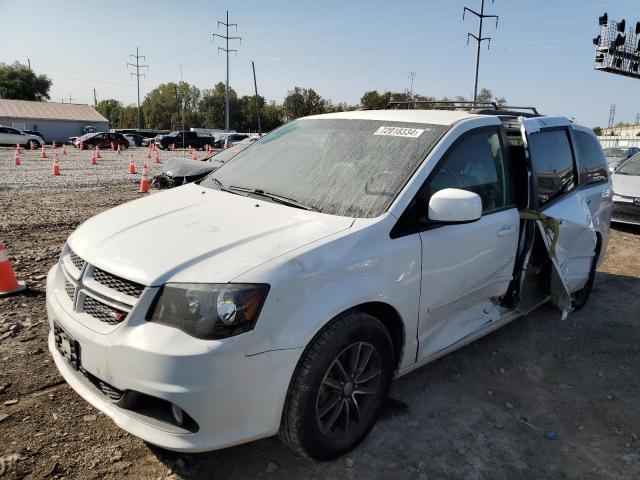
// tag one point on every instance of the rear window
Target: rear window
(593, 165)
(552, 163)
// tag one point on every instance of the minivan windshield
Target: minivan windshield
(631, 166)
(346, 167)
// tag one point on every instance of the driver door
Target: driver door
(466, 266)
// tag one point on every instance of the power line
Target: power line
(479, 39)
(226, 50)
(137, 56)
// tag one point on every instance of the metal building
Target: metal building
(56, 121)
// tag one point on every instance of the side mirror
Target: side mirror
(453, 205)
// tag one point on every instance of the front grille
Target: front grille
(69, 288)
(107, 390)
(118, 284)
(76, 260)
(626, 212)
(104, 313)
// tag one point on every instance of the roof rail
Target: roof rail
(452, 104)
(484, 107)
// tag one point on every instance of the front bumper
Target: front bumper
(626, 212)
(233, 398)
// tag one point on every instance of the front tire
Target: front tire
(339, 387)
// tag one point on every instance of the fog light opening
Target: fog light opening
(178, 415)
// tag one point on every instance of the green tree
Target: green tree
(271, 116)
(19, 82)
(212, 107)
(373, 100)
(167, 105)
(301, 102)
(111, 110)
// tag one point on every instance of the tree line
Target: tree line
(177, 105)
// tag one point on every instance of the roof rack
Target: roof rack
(481, 107)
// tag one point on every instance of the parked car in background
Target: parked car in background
(184, 139)
(230, 139)
(626, 192)
(178, 171)
(283, 292)
(12, 136)
(135, 140)
(101, 140)
(37, 134)
(616, 155)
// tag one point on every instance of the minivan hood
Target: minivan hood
(196, 234)
(627, 185)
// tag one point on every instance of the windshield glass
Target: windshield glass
(615, 152)
(631, 166)
(344, 167)
(87, 136)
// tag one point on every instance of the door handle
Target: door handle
(506, 230)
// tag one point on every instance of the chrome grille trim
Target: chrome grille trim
(116, 283)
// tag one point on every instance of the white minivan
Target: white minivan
(282, 293)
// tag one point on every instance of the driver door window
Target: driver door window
(476, 164)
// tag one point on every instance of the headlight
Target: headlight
(209, 311)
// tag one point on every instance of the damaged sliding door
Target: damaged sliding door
(562, 217)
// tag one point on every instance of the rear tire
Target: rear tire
(339, 387)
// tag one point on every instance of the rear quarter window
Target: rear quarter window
(593, 165)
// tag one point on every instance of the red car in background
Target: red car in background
(101, 140)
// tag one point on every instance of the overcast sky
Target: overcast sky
(541, 53)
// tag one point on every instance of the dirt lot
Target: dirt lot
(539, 398)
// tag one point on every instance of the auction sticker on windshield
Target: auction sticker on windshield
(399, 132)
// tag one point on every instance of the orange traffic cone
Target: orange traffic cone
(149, 152)
(43, 154)
(9, 284)
(18, 148)
(56, 164)
(94, 159)
(156, 159)
(64, 149)
(113, 147)
(144, 181)
(81, 145)
(98, 154)
(119, 150)
(194, 157)
(16, 158)
(32, 145)
(132, 167)
(226, 143)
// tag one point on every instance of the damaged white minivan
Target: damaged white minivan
(283, 292)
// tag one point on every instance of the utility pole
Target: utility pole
(479, 39)
(255, 84)
(137, 56)
(612, 116)
(226, 50)
(95, 99)
(637, 122)
(71, 99)
(412, 75)
(29, 63)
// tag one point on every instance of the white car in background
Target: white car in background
(626, 192)
(10, 136)
(285, 291)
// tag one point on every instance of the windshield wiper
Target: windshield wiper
(275, 197)
(223, 187)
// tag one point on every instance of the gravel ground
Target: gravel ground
(75, 168)
(539, 398)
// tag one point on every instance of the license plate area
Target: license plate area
(68, 346)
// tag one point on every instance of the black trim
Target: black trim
(410, 222)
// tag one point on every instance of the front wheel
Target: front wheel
(339, 387)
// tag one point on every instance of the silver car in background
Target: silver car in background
(626, 192)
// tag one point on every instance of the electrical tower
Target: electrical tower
(612, 116)
(412, 75)
(137, 56)
(637, 122)
(479, 39)
(226, 50)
